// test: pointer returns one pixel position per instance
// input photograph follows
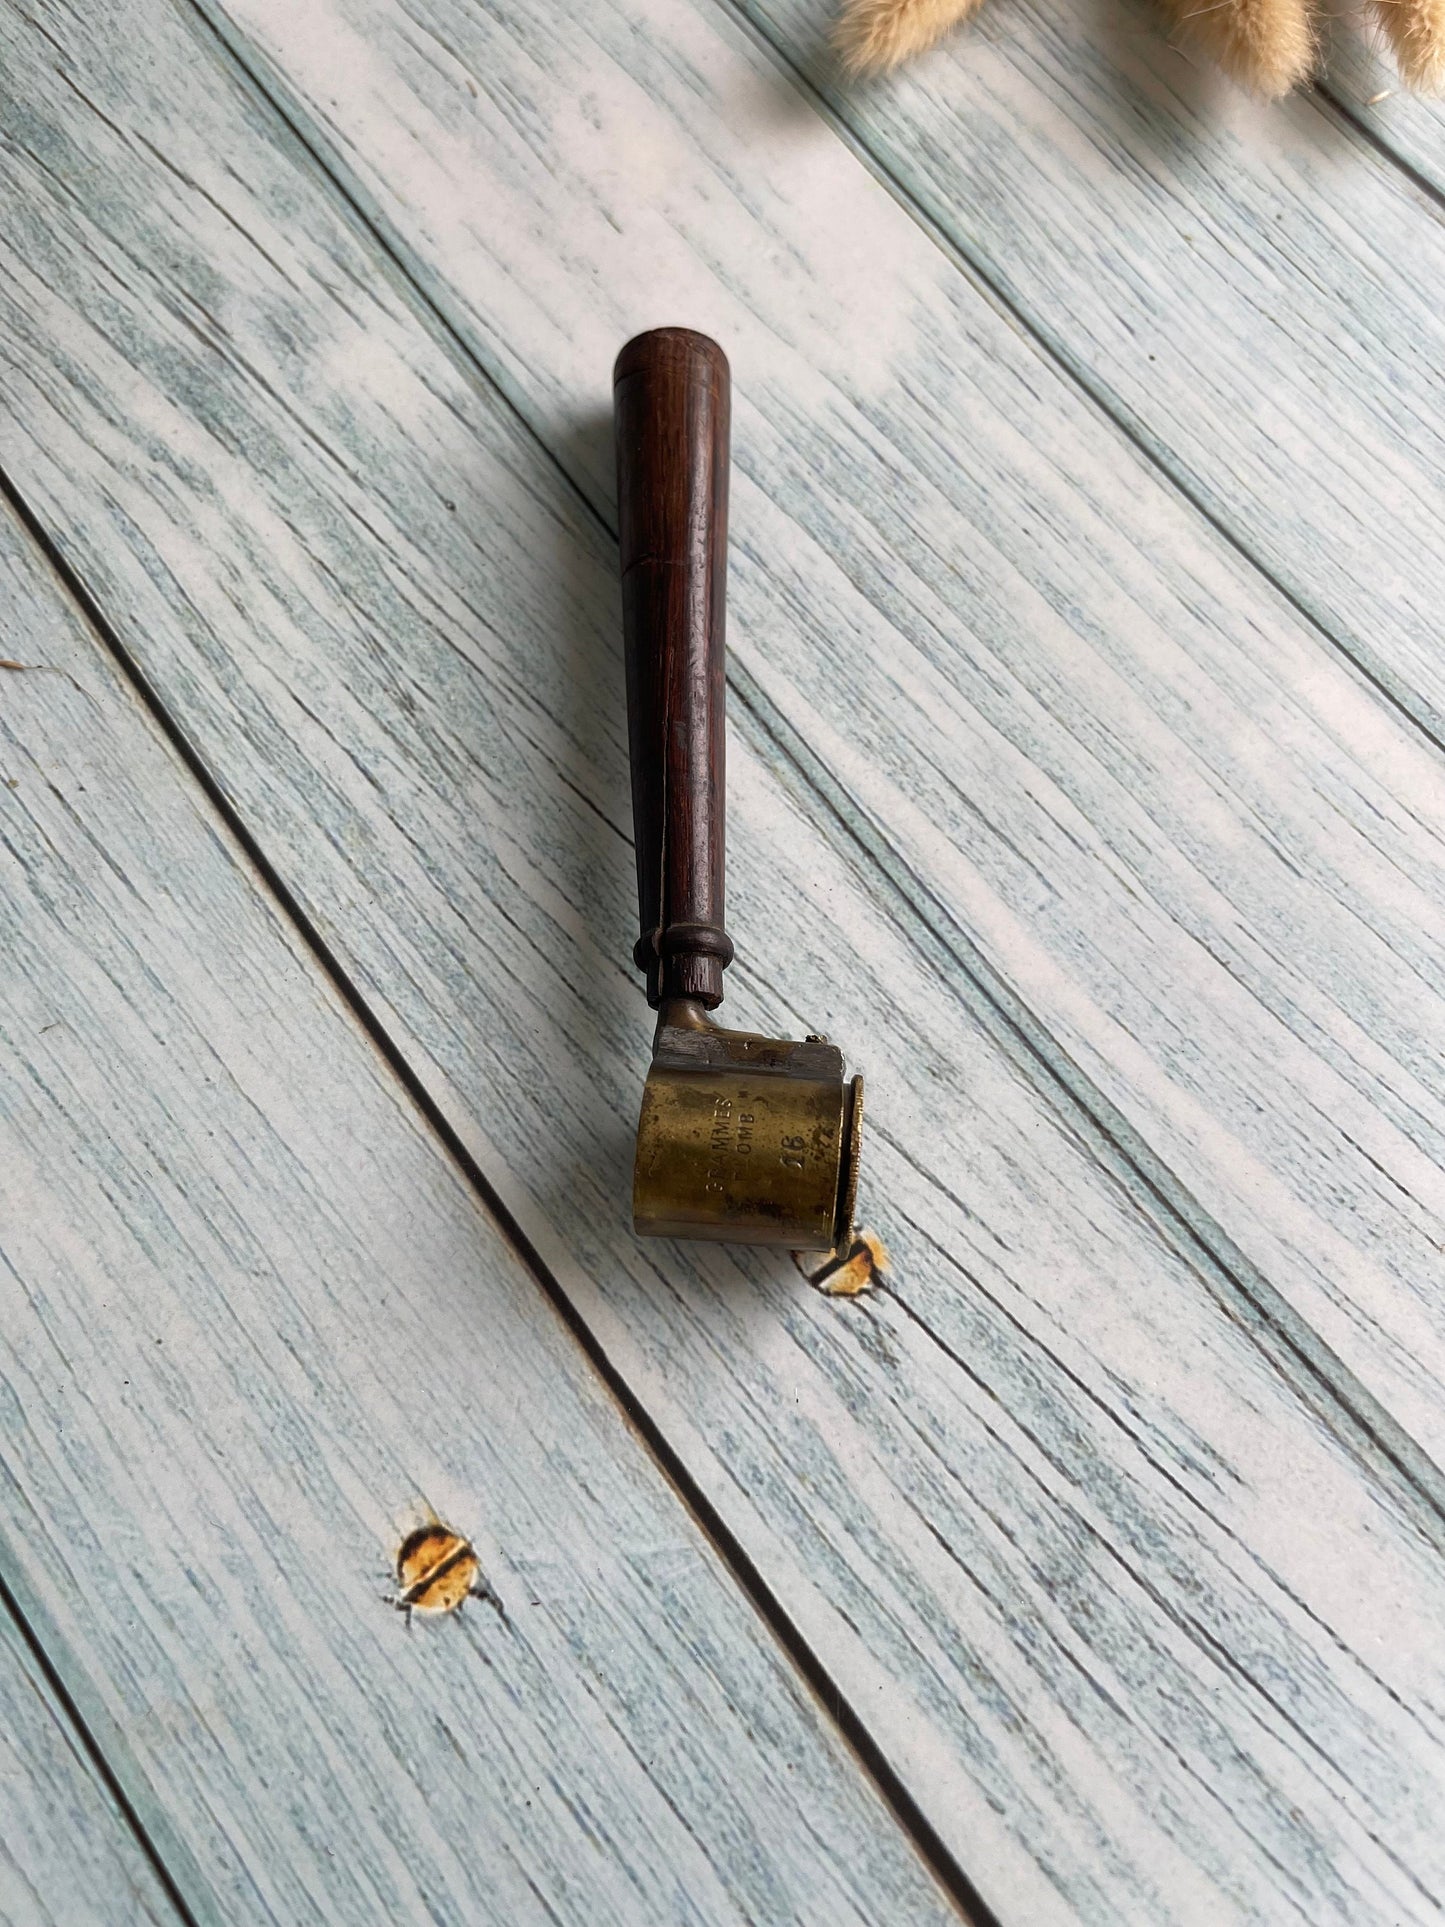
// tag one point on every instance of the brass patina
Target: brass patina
(748, 1139)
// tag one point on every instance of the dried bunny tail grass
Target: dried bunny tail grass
(1415, 30)
(1266, 45)
(873, 35)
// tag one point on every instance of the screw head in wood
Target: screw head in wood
(437, 1571)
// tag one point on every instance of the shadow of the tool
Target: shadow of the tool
(602, 1018)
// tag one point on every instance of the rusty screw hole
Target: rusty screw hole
(854, 1268)
(438, 1571)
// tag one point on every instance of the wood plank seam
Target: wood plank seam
(1392, 689)
(1113, 1143)
(88, 1744)
(1371, 136)
(160, 891)
(952, 1876)
(347, 196)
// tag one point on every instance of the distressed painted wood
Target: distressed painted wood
(1250, 288)
(1129, 779)
(1409, 127)
(68, 1857)
(1082, 1523)
(255, 1318)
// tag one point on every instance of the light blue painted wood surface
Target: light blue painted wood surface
(1129, 776)
(1250, 288)
(1208, 267)
(258, 1321)
(68, 1855)
(1093, 1521)
(1408, 127)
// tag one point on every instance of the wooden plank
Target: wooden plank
(1249, 287)
(1135, 785)
(68, 1856)
(264, 1320)
(1409, 127)
(1039, 1503)
(1252, 290)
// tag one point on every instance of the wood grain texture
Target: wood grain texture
(1209, 266)
(1104, 1558)
(1249, 287)
(1409, 127)
(68, 1857)
(255, 1317)
(1129, 778)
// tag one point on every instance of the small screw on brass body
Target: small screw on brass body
(743, 1138)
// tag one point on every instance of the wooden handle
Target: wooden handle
(671, 393)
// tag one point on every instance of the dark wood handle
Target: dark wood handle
(672, 399)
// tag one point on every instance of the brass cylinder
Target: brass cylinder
(747, 1139)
